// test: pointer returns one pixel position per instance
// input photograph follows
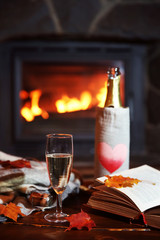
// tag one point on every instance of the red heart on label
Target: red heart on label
(111, 159)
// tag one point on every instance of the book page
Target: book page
(145, 194)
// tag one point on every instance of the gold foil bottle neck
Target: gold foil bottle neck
(113, 98)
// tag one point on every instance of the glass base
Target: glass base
(56, 217)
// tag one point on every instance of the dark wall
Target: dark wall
(108, 21)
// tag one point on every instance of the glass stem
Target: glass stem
(59, 204)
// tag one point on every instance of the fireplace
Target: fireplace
(63, 96)
(56, 87)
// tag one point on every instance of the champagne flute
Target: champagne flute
(59, 157)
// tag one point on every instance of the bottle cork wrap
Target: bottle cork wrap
(112, 140)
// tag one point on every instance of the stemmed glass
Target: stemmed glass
(59, 158)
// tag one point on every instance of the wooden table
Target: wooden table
(107, 226)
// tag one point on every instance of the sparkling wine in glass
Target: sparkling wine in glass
(59, 158)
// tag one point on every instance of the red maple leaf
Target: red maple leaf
(79, 221)
(21, 163)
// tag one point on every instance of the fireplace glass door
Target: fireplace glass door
(62, 98)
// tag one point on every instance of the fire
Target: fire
(101, 95)
(35, 96)
(66, 104)
(31, 108)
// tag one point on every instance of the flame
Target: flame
(35, 96)
(66, 104)
(30, 110)
(27, 114)
(101, 95)
(23, 94)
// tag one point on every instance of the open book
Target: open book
(140, 199)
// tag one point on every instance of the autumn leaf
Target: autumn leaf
(21, 163)
(2, 208)
(11, 211)
(79, 221)
(120, 181)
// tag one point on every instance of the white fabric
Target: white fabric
(33, 179)
(112, 128)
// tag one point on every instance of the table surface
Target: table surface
(108, 226)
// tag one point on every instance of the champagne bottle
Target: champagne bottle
(112, 132)
(113, 98)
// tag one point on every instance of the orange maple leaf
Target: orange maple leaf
(11, 211)
(80, 220)
(120, 181)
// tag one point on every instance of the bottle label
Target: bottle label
(112, 140)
